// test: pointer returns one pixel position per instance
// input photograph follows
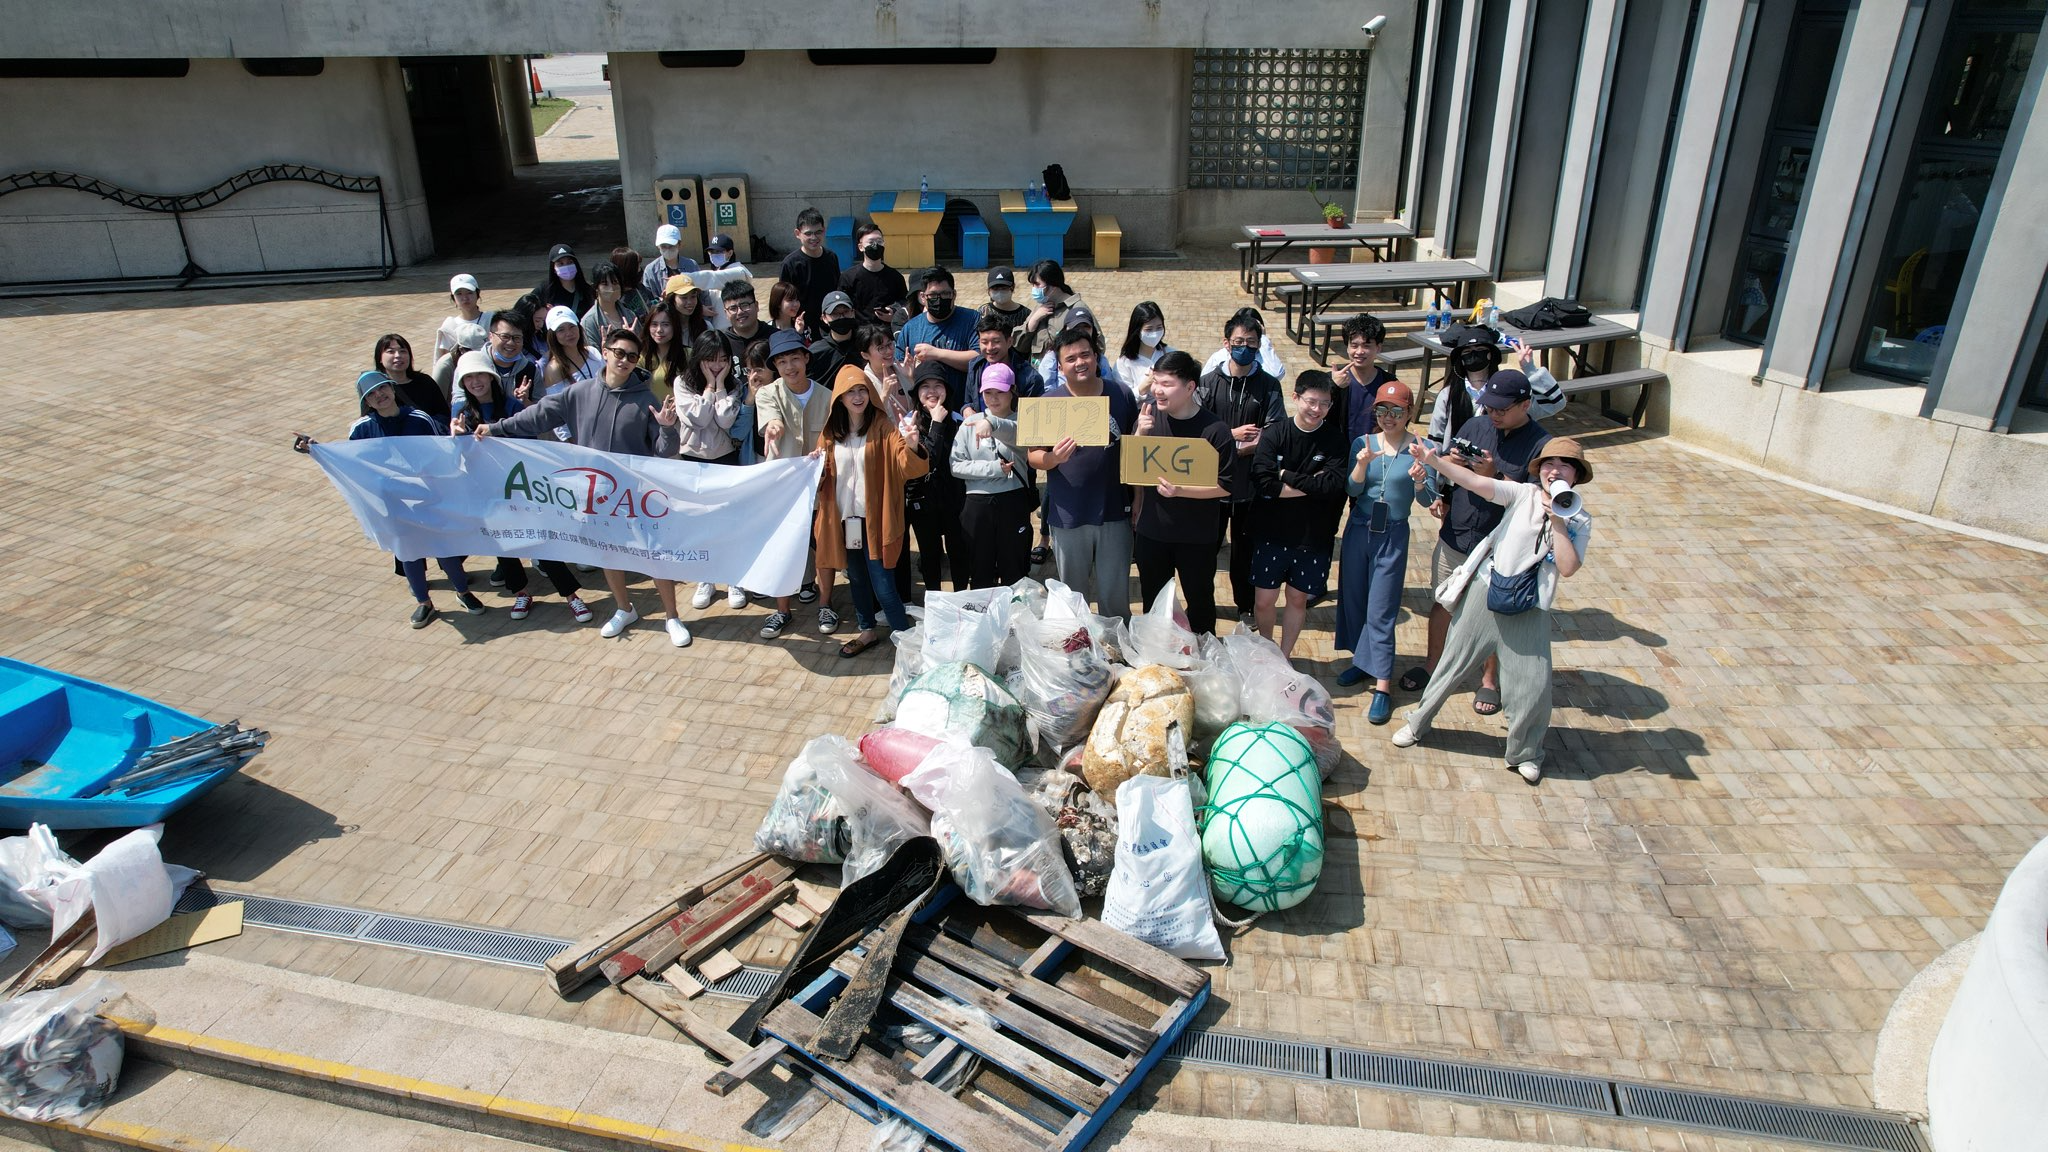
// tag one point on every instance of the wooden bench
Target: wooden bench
(1109, 242)
(1638, 378)
(973, 242)
(839, 238)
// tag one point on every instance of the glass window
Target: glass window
(1977, 86)
(1804, 81)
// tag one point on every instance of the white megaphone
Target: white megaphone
(1564, 499)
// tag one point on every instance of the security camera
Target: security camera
(1372, 27)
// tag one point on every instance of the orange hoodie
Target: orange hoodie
(889, 463)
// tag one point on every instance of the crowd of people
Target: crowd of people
(910, 398)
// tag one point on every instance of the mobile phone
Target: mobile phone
(300, 441)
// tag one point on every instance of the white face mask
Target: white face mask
(1001, 297)
(720, 259)
(1152, 336)
(668, 255)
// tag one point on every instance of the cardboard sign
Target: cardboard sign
(1044, 421)
(1188, 461)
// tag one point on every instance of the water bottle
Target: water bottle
(1493, 315)
(924, 187)
(1433, 320)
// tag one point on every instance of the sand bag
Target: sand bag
(959, 699)
(1149, 710)
(1262, 830)
(1000, 847)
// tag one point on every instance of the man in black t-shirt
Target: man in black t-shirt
(743, 314)
(875, 287)
(813, 268)
(1247, 400)
(1176, 530)
(1299, 470)
(838, 348)
(1002, 301)
(1507, 439)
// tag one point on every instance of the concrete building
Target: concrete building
(1798, 199)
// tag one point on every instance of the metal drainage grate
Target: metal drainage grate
(1829, 1127)
(1260, 1053)
(745, 984)
(1472, 1081)
(491, 945)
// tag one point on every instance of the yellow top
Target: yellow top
(1013, 201)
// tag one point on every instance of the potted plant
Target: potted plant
(1333, 215)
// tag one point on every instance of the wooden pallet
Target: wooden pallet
(1082, 1012)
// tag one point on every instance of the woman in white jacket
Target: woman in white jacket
(996, 515)
(1502, 596)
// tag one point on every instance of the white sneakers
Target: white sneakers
(678, 633)
(702, 600)
(620, 621)
(735, 597)
(1530, 772)
(1405, 737)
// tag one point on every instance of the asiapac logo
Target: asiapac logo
(590, 491)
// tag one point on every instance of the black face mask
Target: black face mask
(841, 326)
(938, 309)
(872, 251)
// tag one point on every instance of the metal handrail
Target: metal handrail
(176, 206)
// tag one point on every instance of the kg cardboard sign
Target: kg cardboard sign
(1185, 461)
(1043, 421)
(420, 496)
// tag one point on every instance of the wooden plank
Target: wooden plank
(1032, 990)
(794, 914)
(185, 930)
(737, 899)
(818, 900)
(58, 962)
(676, 953)
(992, 1045)
(743, 1069)
(576, 965)
(720, 966)
(1122, 948)
(676, 977)
(875, 1074)
(669, 1004)
(1018, 1018)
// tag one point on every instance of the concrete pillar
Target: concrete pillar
(1629, 162)
(1720, 51)
(515, 111)
(1597, 50)
(1863, 115)
(1507, 116)
(1386, 116)
(1458, 100)
(1995, 327)
(1431, 15)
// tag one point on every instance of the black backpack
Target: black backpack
(1056, 183)
(1548, 313)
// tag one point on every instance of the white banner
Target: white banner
(422, 496)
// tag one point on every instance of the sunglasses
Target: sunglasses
(1389, 410)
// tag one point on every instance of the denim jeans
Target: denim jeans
(416, 575)
(869, 578)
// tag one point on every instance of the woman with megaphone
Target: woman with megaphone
(1500, 598)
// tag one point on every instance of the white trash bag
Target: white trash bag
(127, 886)
(1062, 674)
(1162, 635)
(1000, 847)
(27, 863)
(965, 627)
(1158, 890)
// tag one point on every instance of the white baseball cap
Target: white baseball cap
(667, 234)
(463, 281)
(560, 315)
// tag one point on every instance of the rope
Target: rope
(1262, 881)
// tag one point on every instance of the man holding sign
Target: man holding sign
(1086, 502)
(1178, 524)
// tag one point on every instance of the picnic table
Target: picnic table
(1038, 227)
(1322, 285)
(1579, 344)
(1265, 243)
(909, 222)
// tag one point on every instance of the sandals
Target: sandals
(856, 646)
(1486, 701)
(1415, 679)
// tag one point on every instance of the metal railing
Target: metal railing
(193, 274)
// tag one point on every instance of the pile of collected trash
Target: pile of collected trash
(1055, 755)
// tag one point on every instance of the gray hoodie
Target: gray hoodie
(608, 419)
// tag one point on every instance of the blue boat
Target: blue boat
(75, 754)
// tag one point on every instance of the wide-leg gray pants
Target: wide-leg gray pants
(1522, 642)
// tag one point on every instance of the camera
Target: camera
(1466, 448)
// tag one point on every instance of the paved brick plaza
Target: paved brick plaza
(1798, 743)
